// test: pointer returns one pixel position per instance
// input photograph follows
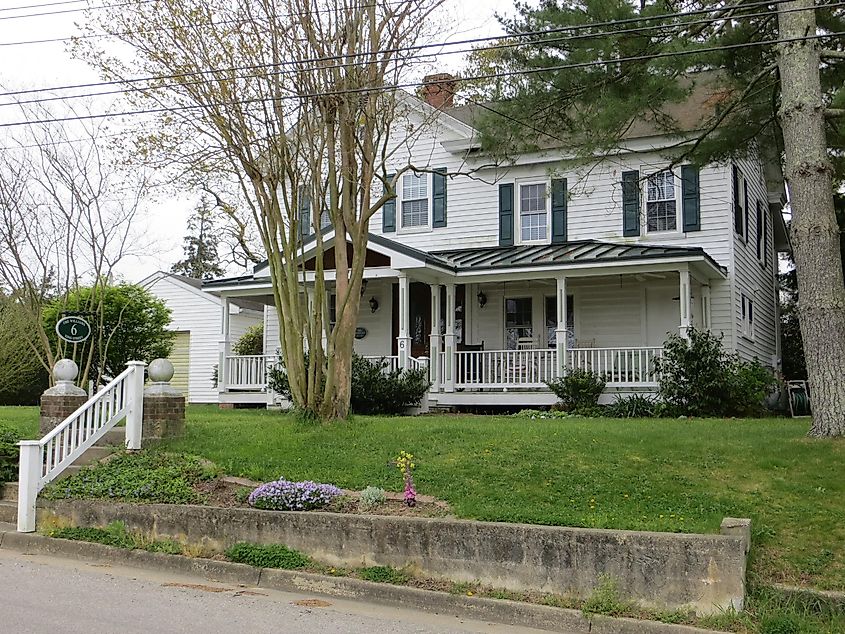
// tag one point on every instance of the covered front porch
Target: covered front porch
(492, 326)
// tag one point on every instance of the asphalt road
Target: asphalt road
(57, 596)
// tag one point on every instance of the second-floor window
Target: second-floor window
(661, 205)
(533, 214)
(747, 326)
(414, 200)
(762, 234)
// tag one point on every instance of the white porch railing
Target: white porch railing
(504, 368)
(41, 461)
(632, 366)
(621, 367)
(419, 363)
(391, 360)
(248, 372)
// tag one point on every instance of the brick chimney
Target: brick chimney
(438, 90)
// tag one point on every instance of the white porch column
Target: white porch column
(705, 308)
(685, 296)
(450, 341)
(434, 340)
(403, 341)
(561, 335)
(225, 345)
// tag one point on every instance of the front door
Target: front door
(419, 324)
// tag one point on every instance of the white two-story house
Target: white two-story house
(498, 278)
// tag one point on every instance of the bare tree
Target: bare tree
(292, 101)
(68, 217)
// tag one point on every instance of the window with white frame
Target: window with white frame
(762, 233)
(741, 206)
(533, 212)
(747, 317)
(661, 205)
(414, 200)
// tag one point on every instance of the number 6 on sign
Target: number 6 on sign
(73, 329)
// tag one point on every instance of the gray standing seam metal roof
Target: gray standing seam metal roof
(568, 253)
(573, 253)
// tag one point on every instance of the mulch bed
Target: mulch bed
(228, 492)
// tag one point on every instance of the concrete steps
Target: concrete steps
(111, 442)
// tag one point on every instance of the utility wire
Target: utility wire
(416, 47)
(64, 11)
(38, 6)
(586, 36)
(394, 87)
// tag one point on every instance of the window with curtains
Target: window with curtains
(517, 321)
(533, 212)
(661, 203)
(415, 200)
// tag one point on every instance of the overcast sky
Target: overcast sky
(49, 64)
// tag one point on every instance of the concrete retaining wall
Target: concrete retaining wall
(705, 573)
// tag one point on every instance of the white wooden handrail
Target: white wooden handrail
(42, 461)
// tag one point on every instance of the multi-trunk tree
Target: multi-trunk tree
(589, 70)
(68, 219)
(290, 101)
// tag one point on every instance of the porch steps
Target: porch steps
(111, 442)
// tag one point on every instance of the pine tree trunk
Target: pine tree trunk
(814, 231)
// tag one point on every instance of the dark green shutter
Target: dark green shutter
(737, 206)
(438, 189)
(631, 203)
(558, 210)
(506, 214)
(690, 198)
(388, 212)
(304, 213)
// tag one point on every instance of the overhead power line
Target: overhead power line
(38, 6)
(586, 36)
(64, 11)
(391, 88)
(416, 47)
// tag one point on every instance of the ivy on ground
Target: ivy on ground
(145, 476)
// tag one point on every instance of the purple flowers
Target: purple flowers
(283, 495)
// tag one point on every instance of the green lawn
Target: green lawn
(666, 475)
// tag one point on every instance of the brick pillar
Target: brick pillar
(164, 405)
(63, 399)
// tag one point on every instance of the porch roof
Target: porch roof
(489, 260)
(568, 254)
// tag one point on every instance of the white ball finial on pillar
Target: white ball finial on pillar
(65, 370)
(64, 373)
(160, 371)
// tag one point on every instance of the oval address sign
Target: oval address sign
(73, 329)
(360, 333)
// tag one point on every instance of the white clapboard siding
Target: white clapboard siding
(751, 277)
